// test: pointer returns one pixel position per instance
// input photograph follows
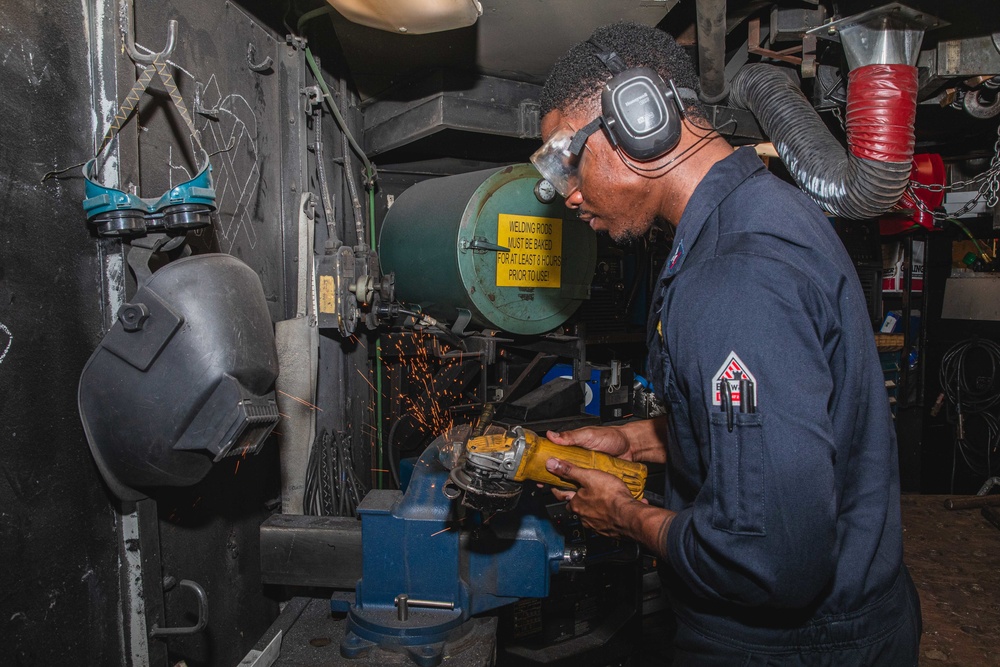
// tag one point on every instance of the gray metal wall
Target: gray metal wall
(59, 583)
(66, 595)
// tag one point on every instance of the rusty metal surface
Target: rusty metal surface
(954, 558)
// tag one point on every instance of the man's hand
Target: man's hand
(600, 499)
(604, 504)
(607, 439)
(643, 440)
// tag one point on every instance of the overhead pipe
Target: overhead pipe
(712, 50)
(869, 177)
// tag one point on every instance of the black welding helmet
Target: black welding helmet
(184, 378)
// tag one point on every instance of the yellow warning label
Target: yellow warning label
(535, 257)
(327, 295)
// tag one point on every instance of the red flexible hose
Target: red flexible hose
(881, 108)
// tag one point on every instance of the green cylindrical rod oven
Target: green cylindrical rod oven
(483, 243)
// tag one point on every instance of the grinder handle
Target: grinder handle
(540, 449)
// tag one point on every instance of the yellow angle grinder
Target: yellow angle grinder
(489, 473)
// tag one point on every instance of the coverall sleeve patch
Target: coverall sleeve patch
(740, 383)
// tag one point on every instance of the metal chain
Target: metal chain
(987, 185)
(840, 118)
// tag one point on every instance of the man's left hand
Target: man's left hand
(601, 501)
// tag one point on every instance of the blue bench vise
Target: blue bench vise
(429, 565)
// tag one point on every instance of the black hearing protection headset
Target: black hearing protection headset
(641, 113)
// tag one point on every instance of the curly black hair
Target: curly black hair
(577, 78)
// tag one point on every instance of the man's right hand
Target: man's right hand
(608, 439)
(644, 440)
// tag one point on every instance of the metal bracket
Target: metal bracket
(199, 107)
(202, 614)
(314, 97)
(461, 321)
(142, 249)
(260, 67)
(529, 113)
(296, 42)
(753, 39)
(142, 58)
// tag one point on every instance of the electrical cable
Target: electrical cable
(977, 399)
(371, 175)
(391, 449)
(954, 379)
(348, 139)
(336, 112)
(324, 187)
(359, 218)
(312, 495)
(711, 134)
(332, 486)
(982, 253)
(436, 328)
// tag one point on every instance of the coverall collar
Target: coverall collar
(724, 177)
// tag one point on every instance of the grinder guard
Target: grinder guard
(183, 378)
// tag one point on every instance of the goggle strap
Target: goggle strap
(127, 106)
(168, 82)
(610, 59)
(580, 138)
(131, 100)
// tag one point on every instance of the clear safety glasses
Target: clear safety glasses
(558, 159)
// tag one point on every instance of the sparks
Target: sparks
(301, 400)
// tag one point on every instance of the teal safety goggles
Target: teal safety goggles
(187, 206)
(116, 213)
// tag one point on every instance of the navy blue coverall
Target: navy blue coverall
(787, 544)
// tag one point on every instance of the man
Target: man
(781, 533)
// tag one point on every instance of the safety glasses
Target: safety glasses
(558, 159)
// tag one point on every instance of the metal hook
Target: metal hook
(262, 66)
(202, 597)
(147, 58)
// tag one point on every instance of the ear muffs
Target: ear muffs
(641, 113)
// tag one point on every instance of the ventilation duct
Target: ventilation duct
(869, 177)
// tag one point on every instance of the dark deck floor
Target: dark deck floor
(954, 557)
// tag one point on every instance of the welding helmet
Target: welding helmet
(184, 377)
(117, 213)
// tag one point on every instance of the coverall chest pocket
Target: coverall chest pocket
(737, 473)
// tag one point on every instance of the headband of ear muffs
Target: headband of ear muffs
(641, 113)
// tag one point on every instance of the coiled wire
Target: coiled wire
(332, 486)
(973, 394)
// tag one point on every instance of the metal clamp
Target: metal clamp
(480, 245)
(202, 614)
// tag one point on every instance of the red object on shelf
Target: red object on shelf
(928, 168)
